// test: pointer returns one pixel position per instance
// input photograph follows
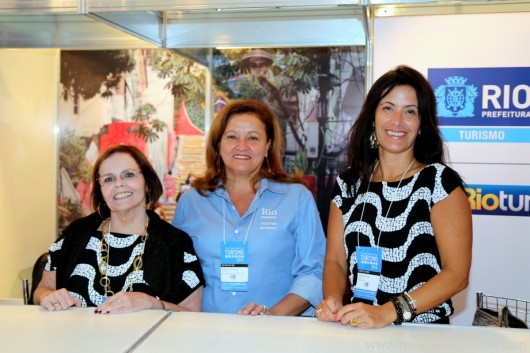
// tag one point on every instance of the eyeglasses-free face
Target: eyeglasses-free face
(126, 175)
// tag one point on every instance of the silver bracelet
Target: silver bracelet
(410, 300)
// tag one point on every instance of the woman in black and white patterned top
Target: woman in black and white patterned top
(400, 223)
(123, 257)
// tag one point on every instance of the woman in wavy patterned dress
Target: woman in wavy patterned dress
(400, 223)
(123, 257)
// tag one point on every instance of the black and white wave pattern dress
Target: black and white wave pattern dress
(407, 239)
(84, 283)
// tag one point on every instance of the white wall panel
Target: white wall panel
(501, 243)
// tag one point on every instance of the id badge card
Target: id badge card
(234, 266)
(369, 264)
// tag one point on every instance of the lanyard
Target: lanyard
(391, 202)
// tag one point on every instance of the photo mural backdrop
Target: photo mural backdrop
(316, 94)
(152, 99)
(155, 99)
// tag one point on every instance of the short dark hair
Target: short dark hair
(154, 187)
(428, 147)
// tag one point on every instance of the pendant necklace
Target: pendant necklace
(104, 253)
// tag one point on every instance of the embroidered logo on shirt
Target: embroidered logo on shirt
(268, 219)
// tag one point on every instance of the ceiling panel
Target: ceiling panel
(40, 6)
(63, 31)
(168, 5)
(319, 26)
(191, 24)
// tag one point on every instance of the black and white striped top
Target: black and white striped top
(84, 282)
(407, 239)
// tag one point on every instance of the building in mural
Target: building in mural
(122, 97)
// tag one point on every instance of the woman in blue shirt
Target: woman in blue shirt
(255, 228)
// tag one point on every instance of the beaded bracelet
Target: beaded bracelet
(163, 304)
(410, 302)
(407, 311)
(399, 311)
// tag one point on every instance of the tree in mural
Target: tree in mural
(149, 127)
(294, 72)
(186, 81)
(84, 74)
(291, 74)
(71, 159)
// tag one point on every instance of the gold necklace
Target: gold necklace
(104, 255)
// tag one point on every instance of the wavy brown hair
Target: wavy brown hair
(271, 167)
(153, 185)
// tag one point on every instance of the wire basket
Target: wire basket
(518, 307)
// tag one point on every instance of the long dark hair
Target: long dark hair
(428, 147)
(153, 185)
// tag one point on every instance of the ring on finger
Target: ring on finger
(56, 305)
(264, 310)
(353, 322)
(319, 311)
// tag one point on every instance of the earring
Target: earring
(373, 140)
(99, 210)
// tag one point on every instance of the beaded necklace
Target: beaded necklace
(104, 255)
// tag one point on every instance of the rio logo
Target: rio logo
(269, 212)
(506, 200)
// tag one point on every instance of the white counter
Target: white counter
(203, 332)
(33, 329)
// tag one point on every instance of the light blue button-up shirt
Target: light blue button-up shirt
(286, 244)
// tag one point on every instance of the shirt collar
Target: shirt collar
(264, 185)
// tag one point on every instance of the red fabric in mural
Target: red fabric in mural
(184, 124)
(117, 134)
(85, 189)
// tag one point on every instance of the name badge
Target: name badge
(234, 266)
(369, 264)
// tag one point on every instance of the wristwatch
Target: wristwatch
(407, 315)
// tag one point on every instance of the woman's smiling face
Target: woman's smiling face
(397, 120)
(244, 145)
(127, 191)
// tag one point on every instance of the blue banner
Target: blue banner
(482, 96)
(480, 134)
(503, 200)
